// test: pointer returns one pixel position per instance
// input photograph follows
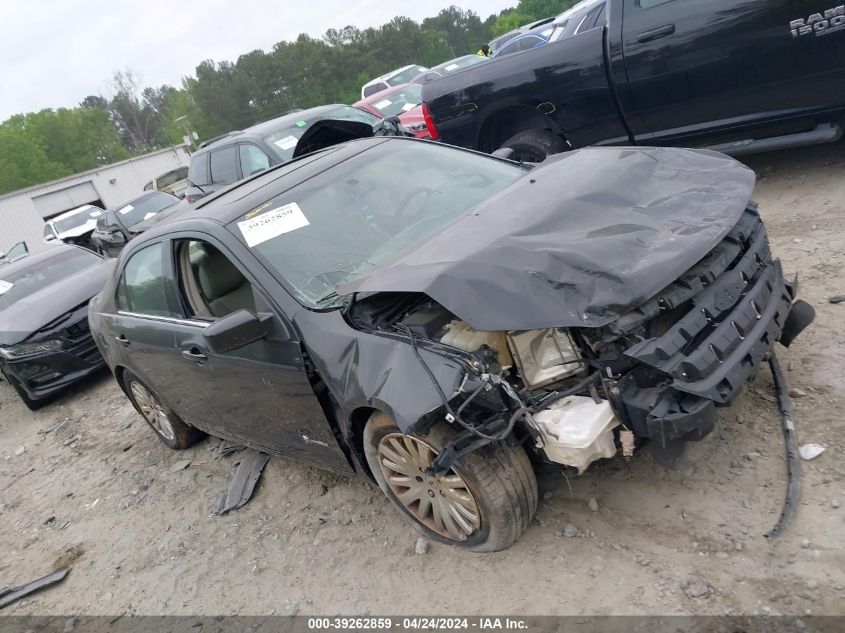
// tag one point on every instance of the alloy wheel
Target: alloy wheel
(443, 504)
(152, 411)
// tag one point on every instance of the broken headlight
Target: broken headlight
(544, 356)
(14, 352)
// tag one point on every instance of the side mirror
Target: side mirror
(237, 330)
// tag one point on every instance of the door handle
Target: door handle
(656, 34)
(195, 356)
(122, 340)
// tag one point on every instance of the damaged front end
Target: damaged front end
(656, 372)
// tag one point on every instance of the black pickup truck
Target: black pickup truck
(740, 76)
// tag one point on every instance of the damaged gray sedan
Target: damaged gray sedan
(437, 318)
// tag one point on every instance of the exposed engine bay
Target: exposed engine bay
(656, 373)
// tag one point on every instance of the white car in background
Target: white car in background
(74, 226)
(393, 78)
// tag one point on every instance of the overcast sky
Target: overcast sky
(53, 53)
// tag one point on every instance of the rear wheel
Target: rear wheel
(483, 504)
(534, 146)
(162, 419)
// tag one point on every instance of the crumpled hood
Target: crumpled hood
(29, 315)
(584, 238)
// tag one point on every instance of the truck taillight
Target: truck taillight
(429, 122)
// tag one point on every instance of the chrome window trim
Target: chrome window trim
(163, 319)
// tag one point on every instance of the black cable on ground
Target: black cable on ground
(793, 461)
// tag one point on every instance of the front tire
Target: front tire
(534, 146)
(483, 504)
(168, 426)
(31, 404)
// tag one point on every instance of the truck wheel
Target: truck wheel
(32, 405)
(162, 419)
(533, 146)
(483, 504)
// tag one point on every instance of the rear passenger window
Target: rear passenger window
(198, 171)
(143, 286)
(224, 166)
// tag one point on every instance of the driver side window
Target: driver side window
(211, 285)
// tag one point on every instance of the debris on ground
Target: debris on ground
(570, 531)
(837, 299)
(810, 451)
(20, 450)
(227, 448)
(593, 505)
(12, 594)
(182, 464)
(697, 589)
(795, 392)
(243, 482)
(421, 546)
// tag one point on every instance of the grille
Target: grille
(732, 306)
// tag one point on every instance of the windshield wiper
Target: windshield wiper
(193, 184)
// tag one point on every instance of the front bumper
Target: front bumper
(739, 306)
(44, 375)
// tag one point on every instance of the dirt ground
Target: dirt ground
(93, 487)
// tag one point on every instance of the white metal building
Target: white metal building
(22, 212)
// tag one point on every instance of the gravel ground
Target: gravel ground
(84, 481)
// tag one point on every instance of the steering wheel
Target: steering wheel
(405, 201)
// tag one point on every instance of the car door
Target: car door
(260, 393)
(146, 323)
(697, 67)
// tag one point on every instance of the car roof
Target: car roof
(386, 92)
(387, 76)
(35, 259)
(264, 128)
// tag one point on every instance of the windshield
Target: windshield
(406, 75)
(79, 218)
(365, 211)
(18, 285)
(284, 140)
(398, 102)
(145, 208)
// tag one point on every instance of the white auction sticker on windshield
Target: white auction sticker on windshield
(272, 223)
(289, 142)
(95, 214)
(5, 286)
(381, 105)
(450, 67)
(125, 209)
(408, 106)
(149, 215)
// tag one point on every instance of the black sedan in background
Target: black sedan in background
(120, 224)
(243, 153)
(45, 343)
(428, 314)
